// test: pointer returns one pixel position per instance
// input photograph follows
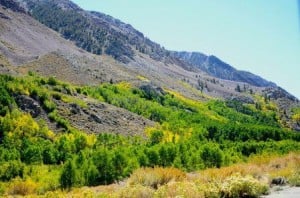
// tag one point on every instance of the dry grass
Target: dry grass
(20, 187)
(137, 191)
(180, 189)
(155, 177)
(260, 167)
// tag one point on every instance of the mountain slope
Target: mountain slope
(34, 47)
(113, 37)
(217, 68)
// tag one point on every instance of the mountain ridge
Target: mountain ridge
(218, 68)
(120, 39)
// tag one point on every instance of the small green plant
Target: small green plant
(52, 81)
(49, 106)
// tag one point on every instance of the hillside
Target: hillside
(113, 37)
(49, 128)
(153, 63)
(87, 100)
(217, 68)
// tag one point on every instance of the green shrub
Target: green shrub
(52, 81)
(49, 106)
(56, 96)
(239, 186)
(212, 156)
(11, 169)
(5, 100)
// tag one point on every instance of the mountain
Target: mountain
(217, 68)
(93, 31)
(98, 48)
(87, 101)
(115, 38)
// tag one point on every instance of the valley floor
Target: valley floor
(252, 179)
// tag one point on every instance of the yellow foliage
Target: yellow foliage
(91, 139)
(69, 99)
(124, 85)
(143, 78)
(296, 117)
(18, 88)
(200, 106)
(20, 187)
(169, 136)
(21, 124)
(194, 90)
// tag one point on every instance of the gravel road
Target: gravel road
(284, 192)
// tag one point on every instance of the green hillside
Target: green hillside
(188, 135)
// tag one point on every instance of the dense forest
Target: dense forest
(189, 135)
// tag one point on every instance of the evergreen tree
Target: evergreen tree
(68, 175)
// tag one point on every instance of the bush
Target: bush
(11, 169)
(155, 177)
(294, 179)
(49, 106)
(156, 137)
(2, 189)
(5, 100)
(32, 155)
(20, 187)
(52, 81)
(240, 186)
(212, 156)
(56, 96)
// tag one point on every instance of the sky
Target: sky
(262, 37)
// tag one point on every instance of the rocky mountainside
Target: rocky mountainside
(113, 37)
(93, 31)
(217, 68)
(58, 38)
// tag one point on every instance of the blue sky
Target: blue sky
(262, 37)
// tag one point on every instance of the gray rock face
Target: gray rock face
(28, 105)
(243, 99)
(152, 91)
